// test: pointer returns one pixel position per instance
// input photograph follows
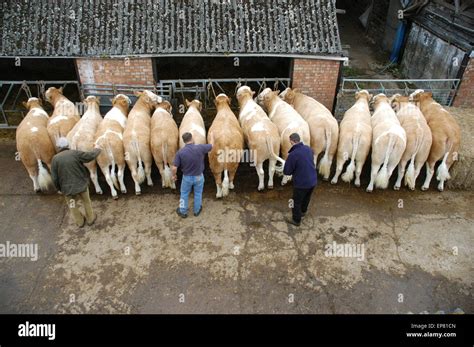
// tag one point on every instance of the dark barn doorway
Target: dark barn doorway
(37, 69)
(221, 67)
(53, 72)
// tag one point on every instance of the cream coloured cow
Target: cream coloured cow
(164, 142)
(193, 123)
(82, 136)
(418, 140)
(65, 114)
(34, 145)
(446, 136)
(323, 127)
(136, 138)
(260, 134)
(227, 140)
(388, 142)
(287, 120)
(355, 139)
(109, 137)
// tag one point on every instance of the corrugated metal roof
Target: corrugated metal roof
(152, 27)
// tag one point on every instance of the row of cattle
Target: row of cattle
(403, 131)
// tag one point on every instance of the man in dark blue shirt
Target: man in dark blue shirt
(190, 159)
(300, 165)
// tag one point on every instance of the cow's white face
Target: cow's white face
(261, 97)
(416, 92)
(32, 101)
(49, 93)
(152, 97)
(91, 99)
(284, 93)
(243, 91)
(363, 93)
(123, 97)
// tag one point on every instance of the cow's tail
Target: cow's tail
(410, 174)
(278, 169)
(110, 155)
(225, 184)
(443, 172)
(381, 181)
(141, 171)
(167, 172)
(349, 174)
(44, 178)
(325, 165)
(45, 181)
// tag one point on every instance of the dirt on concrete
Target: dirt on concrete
(238, 256)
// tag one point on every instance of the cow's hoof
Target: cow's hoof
(396, 187)
(124, 191)
(115, 197)
(150, 184)
(270, 187)
(99, 192)
(369, 190)
(424, 188)
(260, 188)
(231, 186)
(37, 191)
(440, 189)
(325, 178)
(138, 193)
(357, 185)
(333, 182)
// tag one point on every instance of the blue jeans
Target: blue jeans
(187, 183)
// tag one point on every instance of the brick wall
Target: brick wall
(118, 71)
(317, 78)
(465, 94)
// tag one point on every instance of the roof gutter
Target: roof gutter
(255, 55)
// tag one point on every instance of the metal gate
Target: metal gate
(204, 89)
(13, 92)
(443, 90)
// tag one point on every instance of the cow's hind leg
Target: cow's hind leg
(94, 178)
(232, 172)
(359, 166)
(373, 175)
(339, 166)
(120, 174)
(135, 178)
(401, 172)
(429, 175)
(161, 168)
(33, 173)
(261, 176)
(108, 178)
(271, 172)
(149, 181)
(36, 186)
(218, 179)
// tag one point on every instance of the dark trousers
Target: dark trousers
(301, 198)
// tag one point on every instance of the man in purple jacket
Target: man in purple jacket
(190, 159)
(300, 165)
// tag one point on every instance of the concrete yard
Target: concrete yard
(239, 256)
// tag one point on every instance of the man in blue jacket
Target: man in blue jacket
(190, 159)
(300, 165)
